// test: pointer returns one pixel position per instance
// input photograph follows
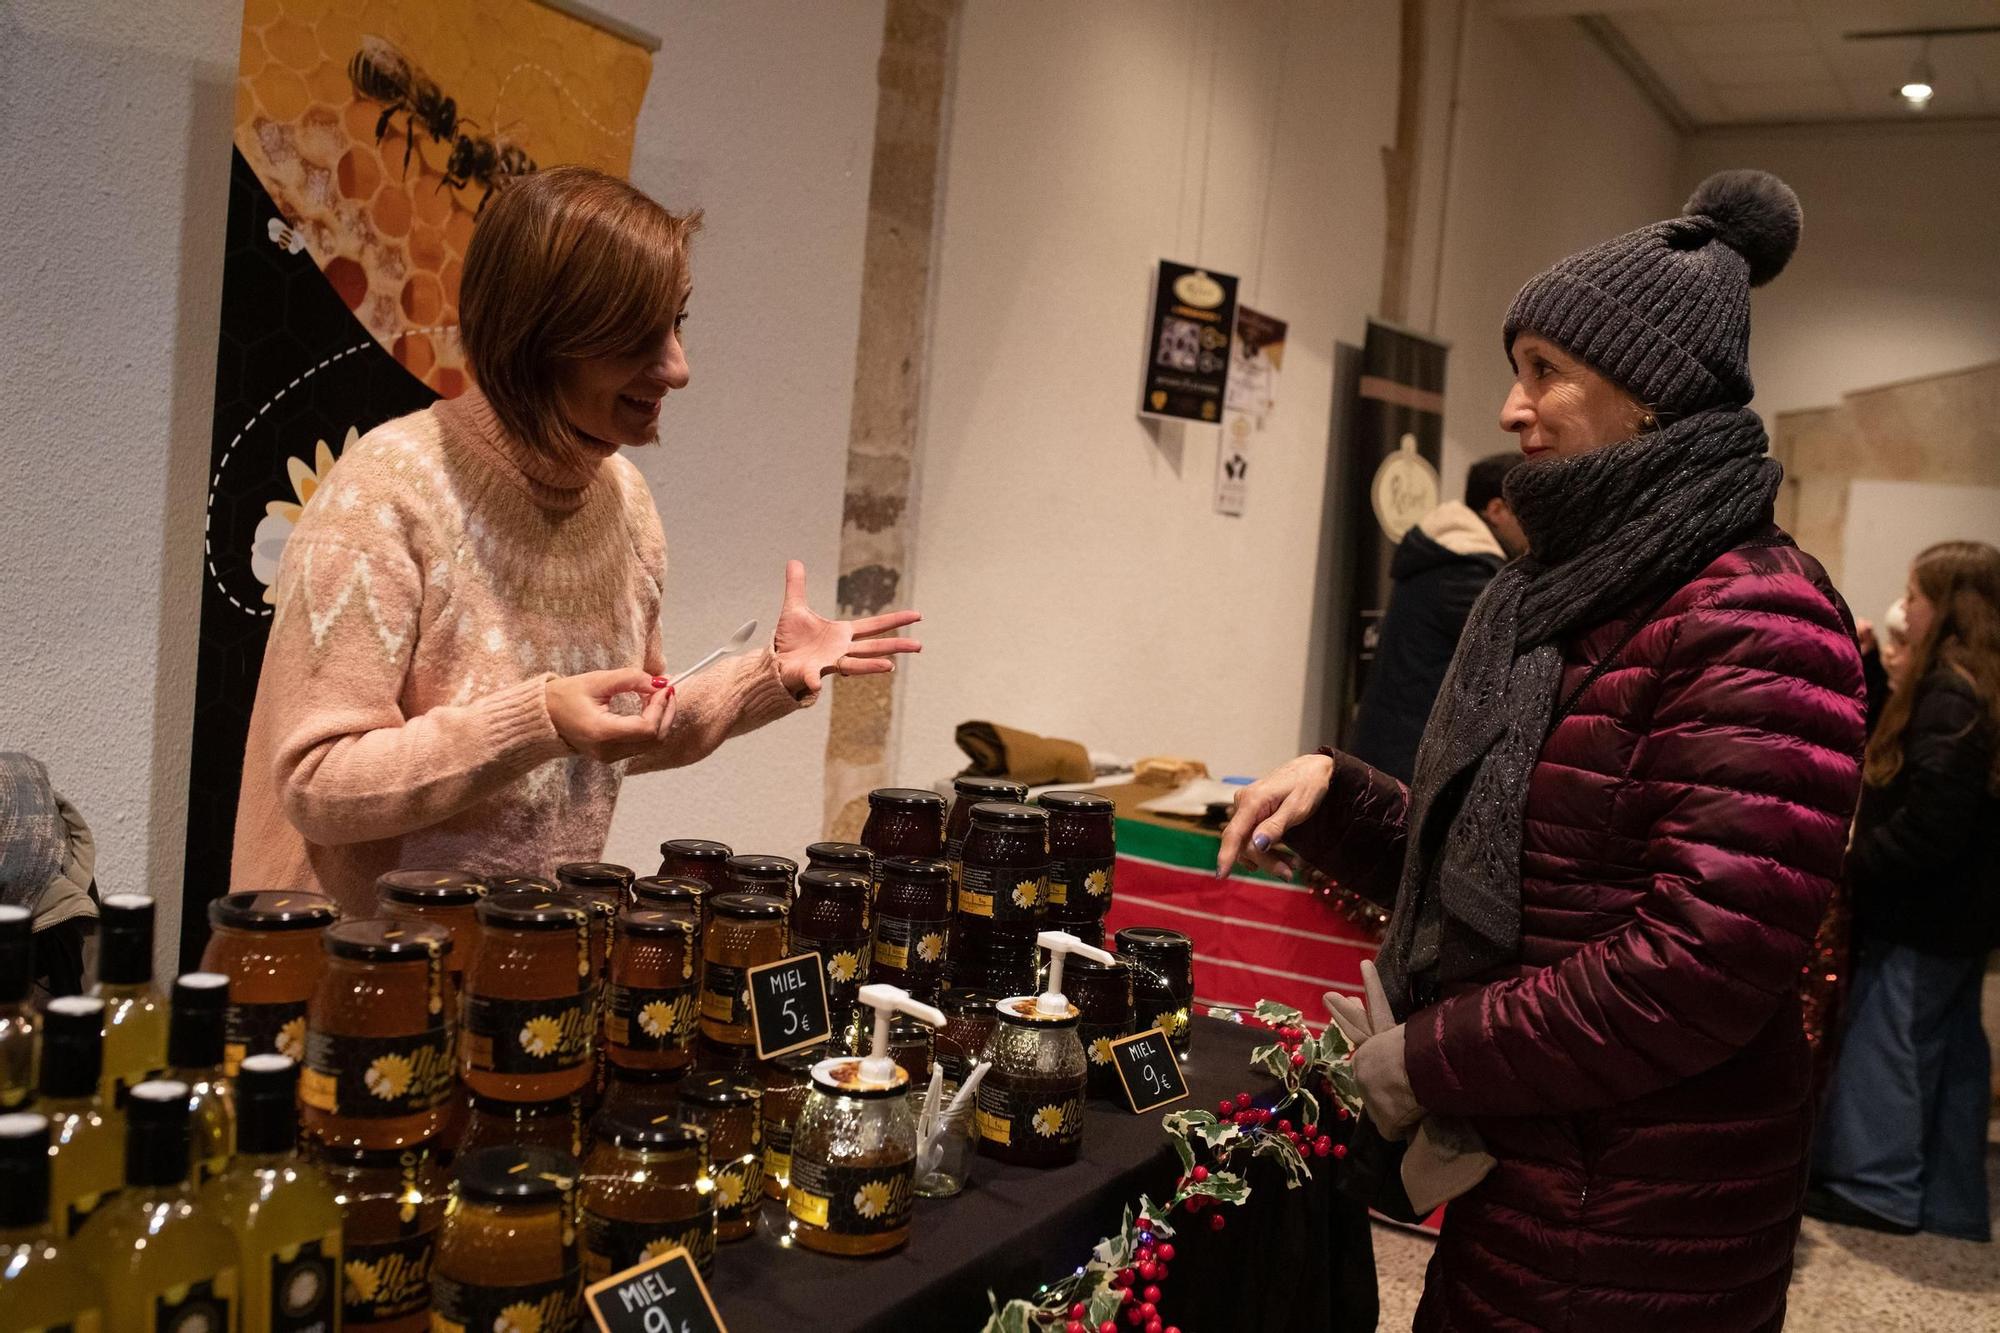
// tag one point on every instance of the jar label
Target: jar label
(302, 1286)
(914, 948)
(614, 1244)
(528, 1036)
(846, 963)
(458, 1307)
(263, 1029)
(377, 1077)
(725, 994)
(1003, 893)
(777, 1167)
(646, 1018)
(1040, 1117)
(738, 1186)
(197, 1307)
(1171, 1021)
(387, 1280)
(846, 1200)
(1083, 884)
(1097, 1039)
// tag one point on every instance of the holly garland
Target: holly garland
(1119, 1289)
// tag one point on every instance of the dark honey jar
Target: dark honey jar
(969, 1022)
(597, 879)
(671, 893)
(850, 856)
(645, 1191)
(967, 792)
(653, 1005)
(1162, 963)
(831, 918)
(731, 1111)
(694, 858)
(904, 821)
(784, 1081)
(381, 1057)
(773, 875)
(1006, 873)
(912, 925)
(507, 1257)
(1083, 852)
(528, 1008)
(268, 944)
(1102, 993)
(748, 930)
(1029, 1107)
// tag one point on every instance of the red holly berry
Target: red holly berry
(1125, 1296)
(1339, 1151)
(1074, 1326)
(1077, 1311)
(1149, 1310)
(1161, 1273)
(1200, 1174)
(1108, 1326)
(1225, 1106)
(1122, 1278)
(1173, 1328)
(1132, 1317)
(1321, 1149)
(1145, 1223)
(1152, 1295)
(1216, 1222)
(1153, 1326)
(1310, 1131)
(1298, 1059)
(1146, 1271)
(1284, 1126)
(1341, 1112)
(1167, 1253)
(1242, 1099)
(1322, 1142)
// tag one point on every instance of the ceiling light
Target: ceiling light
(1917, 89)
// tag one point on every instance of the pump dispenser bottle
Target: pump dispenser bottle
(1030, 1108)
(854, 1152)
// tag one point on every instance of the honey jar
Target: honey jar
(1102, 994)
(784, 1081)
(774, 875)
(1162, 963)
(528, 1010)
(267, 943)
(912, 925)
(557, 1124)
(849, 856)
(381, 1055)
(969, 1019)
(904, 821)
(831, 918)
(1029, 1108)
(731, 1112)
(693, 858)
(392, 1204)
(653, 1006)
(444, 898)
(507, 1255)
(749, 929)
(645, 1191)
(1083, 854)
(967, 792)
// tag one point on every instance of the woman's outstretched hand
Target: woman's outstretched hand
(1270, 807)
(582, 711)
(809, 647)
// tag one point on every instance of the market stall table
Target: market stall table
(1286, 1260)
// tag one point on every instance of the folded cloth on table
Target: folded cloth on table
(1168, 771)
(1006, 752)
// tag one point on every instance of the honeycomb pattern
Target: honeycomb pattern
(389, 238)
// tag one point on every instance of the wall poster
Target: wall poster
(1187, 348)
(366, 138)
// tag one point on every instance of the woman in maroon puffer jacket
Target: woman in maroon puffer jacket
(1627, 816)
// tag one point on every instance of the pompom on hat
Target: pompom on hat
(1664, 311)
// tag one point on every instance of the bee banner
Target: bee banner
(367, 139)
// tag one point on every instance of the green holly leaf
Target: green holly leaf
(1279, 1149)
(1161, 1227)
(1223, 1186)
(1013, 1317)
(1274, 1059)
(1277, 1015)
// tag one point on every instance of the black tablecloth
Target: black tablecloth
(1288, 1261)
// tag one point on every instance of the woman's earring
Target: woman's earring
(1647, 421)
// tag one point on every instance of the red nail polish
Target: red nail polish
(659, 682)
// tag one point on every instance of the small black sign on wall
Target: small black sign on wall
(1149, 1069)
(663, 1295)
(788, 1005)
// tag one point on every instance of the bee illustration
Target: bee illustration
(285, 237)
(489, 162)
(381, 73)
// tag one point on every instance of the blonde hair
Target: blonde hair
(566, 264)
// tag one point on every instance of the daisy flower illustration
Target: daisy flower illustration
(842, 966)
(1025, 894)
(931, 947)
(1096, 882)
(872, 1199)
(1100, 1051)
(291, 1040)
(519, 1317)
(729, 1189)
(388, 1077)
(657, 1019)
(267, 544)
(1049, 1121)
(540, 1036)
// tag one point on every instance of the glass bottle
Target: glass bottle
(135, 1017)
(268, 944)
(164, 1261)
(1083, 856)
(279, 1207)
(45, 1283)
(671, 893)
(784, 1081)
(652, 1008)
(381, 1048)
(967, 792)
(730, 1111)
(775, 875)
(912, 925)
(528, 1003)
(17, 1015)
(86, 1133)
(749, 930)
(903, 821)
(507, 1256)
(1162, 963)
(830, 917)
(645, 1191)
(1029, 1107)
(194, 1057)
(597, 879)
(849, 856)
(392, 1205)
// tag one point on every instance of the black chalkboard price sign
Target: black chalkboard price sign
(662, 1295)
(1148, 1068)
(788, 1005)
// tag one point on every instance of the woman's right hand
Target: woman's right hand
(580, 707)
(1269, 808)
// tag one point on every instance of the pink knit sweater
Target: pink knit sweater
(439, 578)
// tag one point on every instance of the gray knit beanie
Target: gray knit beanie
(1664, 311)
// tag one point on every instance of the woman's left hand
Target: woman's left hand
(809, 647)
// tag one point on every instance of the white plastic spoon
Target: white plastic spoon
(737, 643)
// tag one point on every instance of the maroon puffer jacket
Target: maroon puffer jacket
(1642, 1075)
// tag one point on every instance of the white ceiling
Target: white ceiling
(1732, 62)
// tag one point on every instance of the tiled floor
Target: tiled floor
(1845, 1281)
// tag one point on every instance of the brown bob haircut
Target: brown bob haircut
(566, 264)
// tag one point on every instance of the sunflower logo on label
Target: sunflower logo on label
(1096, 882)
(291, 1040)
(1100, 1051)
(931, 947)
(519, 1318)
(540, 1036)
(388, 1077)
(1025, 894)
(363, 1282)
(729, 1189)
(1050, 1121)
(872, 1199)
(657, 1019)
(655, 1248)
(842, 966)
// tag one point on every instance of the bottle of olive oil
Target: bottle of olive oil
(194, 1057)
(86, 1136)
(17, 1016)
(280, 1207)
(164, 1262)
(44, 1282)
(135, 1020)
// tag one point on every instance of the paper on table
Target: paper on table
(1192, 798)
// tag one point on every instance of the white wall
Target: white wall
(1073, 575)
(1897, 274)
(114, 142)
(1889, 522)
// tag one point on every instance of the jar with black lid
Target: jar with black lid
(731, 1111)
(1083, 853)
(653, 1005)
(831, 917)
(268, 943)
(381, 1045)
(1162, 981)
(507, 1256)
(445, 898)
(1102, 993)
(773, 875)
(969, 1020)
(671, 893)
(697, 858)
(604, 890)
(749, 930)
(645, 1191)
(528, 1008)
(850, 856)
(912, 925)
(967, 792)
(1006, 872)
(392, 1205)
(904, 821)
(557, 1124)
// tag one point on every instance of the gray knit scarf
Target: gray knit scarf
(1609, 531)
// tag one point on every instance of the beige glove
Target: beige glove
(1446, 1157)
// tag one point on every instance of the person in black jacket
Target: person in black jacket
(1903, 1136)
(1440, 568)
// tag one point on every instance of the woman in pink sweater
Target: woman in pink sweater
(465, 658)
